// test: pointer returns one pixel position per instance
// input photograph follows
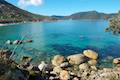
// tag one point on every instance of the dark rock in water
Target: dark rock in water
(9, 71)
(5, 53)
(26, 59)
(25, 63)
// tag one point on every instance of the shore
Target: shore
(73, 67)
(6, 24)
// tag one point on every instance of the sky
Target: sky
(67, 7)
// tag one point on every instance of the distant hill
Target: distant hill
(114, 24)
(10, 13)
(87, 15)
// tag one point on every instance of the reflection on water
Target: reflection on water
(65, 37)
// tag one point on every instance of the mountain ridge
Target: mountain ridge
(86, 15)
(10, 13)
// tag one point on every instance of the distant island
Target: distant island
(86, 15)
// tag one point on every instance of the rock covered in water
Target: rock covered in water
(76, 59)
(92, 62)
(84, 66)
(64, 75)
(57, 60)
(90, 54)
(116, 61)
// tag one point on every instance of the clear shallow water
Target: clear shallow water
(62, 37)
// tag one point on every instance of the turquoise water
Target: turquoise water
(62, 37)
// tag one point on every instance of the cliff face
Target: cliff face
(11, 13)
(114, 24)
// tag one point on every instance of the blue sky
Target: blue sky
(67, 7)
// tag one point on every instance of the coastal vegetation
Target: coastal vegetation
(114, 24)
(12, 14)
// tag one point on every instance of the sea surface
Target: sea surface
(62, 37)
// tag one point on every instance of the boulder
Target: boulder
(57, 60)
(84, 66)
(8, 42)
(90, 54)
(64, 65)
(5, 53)
(76, 59)
(26, 59)
(93, 68)
(92, 62)
(29, 68)
(75, 78)
(64, 75)
(42, 66)
(116, 61)
(57, 69)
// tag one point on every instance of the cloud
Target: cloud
(25, 3)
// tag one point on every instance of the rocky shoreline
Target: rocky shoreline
(74, 67)
(114, 24)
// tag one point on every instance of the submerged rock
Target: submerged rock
(90, 54)
(57, 60)
(76, 59)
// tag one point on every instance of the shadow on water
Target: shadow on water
(56, 35)
(66, 49)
